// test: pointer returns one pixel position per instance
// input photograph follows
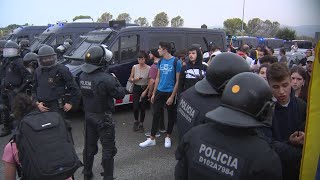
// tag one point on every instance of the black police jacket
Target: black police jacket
(212, 151)
(192, 108)
(14, 73)
(54, 83)
(98, 89)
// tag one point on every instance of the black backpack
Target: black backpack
(45, 147)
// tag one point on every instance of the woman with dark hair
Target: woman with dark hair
(263, 71)
(298, 78)
(139, 77)
(22, 105)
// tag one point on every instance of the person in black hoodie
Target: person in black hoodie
(193, 71)
(286, 133)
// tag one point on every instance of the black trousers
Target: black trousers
(6, 101)
(159, 102)
(139, 104)
(99, 126)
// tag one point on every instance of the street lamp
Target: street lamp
(244, 2)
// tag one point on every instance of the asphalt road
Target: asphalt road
(131, 161)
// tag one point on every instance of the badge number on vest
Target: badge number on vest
(218, 160)
(85, 84)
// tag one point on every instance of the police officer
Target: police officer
(14, 76)
(24, 44)
(54, 88)
(228, 146)
(30, 62)
(98, 90)
(63, 48)
(195, 102)
(2, 44)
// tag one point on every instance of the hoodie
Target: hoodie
(192, 73)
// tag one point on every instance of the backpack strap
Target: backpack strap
(175, 67)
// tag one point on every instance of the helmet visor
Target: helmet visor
(48, 61)
(10, 52)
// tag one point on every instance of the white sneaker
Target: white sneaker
(167, 142)
(147, 143)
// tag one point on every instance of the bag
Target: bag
(129, 86)
(45, 147)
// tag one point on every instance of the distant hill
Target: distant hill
(307, 30)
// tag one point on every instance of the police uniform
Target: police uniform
(98, 90)
(228, 146)
(196, 101)
(14, 76)
(30, 63)
(53, 82)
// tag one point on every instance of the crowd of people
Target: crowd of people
(239, 114)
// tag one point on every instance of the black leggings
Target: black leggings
(137, 104)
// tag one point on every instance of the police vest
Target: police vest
(225, 153)
(13, 77)
(192, 108)
(50, 83)
(95, 98)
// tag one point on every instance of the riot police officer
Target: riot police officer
(30, 62)
(54, 88)
(98, 90)
(24, 44)
(228, 146)
(63, 48)
(195, 102)
(14, 76)
(2, 44)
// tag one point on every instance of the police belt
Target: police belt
(54, 105)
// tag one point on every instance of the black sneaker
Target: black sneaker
(88, 176)
(136, 126)
(141, 128)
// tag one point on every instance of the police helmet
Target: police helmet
(69, 41)
(24, 43)
(222, 67)
(11, 49)
(96, 57)
(47, 58)
(246, 102)
(30, 57)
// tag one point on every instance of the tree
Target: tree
(204, 26)
(81, 17)
(105, 17)
(233, 25)
(124, 16)
(254, 26)
(161, 19)
(258, 27)
(286, 33)
(177, 21)
(142, 21)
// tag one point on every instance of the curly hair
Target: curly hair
(22, 105)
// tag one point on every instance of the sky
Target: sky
(195, 13)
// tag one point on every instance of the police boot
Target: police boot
(108, 165)
(88, 176)
(7, 124)
(5, 131)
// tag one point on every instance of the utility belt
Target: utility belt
(55, 104)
